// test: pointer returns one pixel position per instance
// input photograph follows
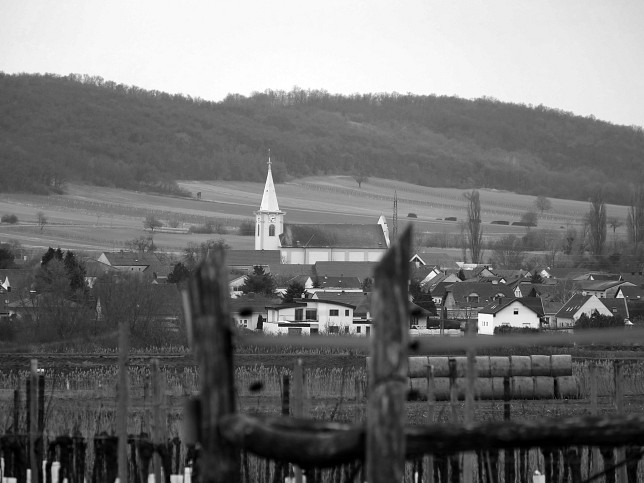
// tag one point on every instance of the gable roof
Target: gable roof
(352, 298)
(529, 302)
(334, 236)
(631, 292)
(635, 278)
(292, 270)
(571, 307)
(252, 258)
(599, 285)
(254, 303)
(486, 292)
(617, 307)
(339, 282)
(568, 273)
(360, 270)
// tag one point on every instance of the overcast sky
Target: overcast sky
(584, 56)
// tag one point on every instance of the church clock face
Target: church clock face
(271, 218)
(259, 218)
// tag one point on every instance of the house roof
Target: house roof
(360, 270)
(550, 307)
(616, 306)
(632, 293)
(352, 298)
(571, 307)
(635, 278)
(436, 259)
(605, 276)
(339, 282)
(252, 302)
(498, 305)
(125, 259)
(288, 270)
(486, 292)
(599, 285)
(252, 258)
(334, 235)
(269, 198)
(568, 273)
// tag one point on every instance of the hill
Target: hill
(84, 129)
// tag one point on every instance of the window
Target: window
(257, 229)
(358, 329)
(311, 314)
(346, 329)
(516, 311)
(271, 230)
(346, 312)
(244, 323)
(473, 297)
(334, 329)
(334, 312)
(314, 331)
(368, 330)
(299, 315)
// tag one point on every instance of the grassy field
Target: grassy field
(95, 219)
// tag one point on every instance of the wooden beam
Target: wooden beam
(385, 450)
(208, 317)
(321, 444)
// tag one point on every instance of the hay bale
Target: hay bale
(544, 387)
(540, 365)
(567, 387)
(520, 366)
(484, 389)
(522, 387)
(441, 366)
(483, 366)
(499, 366)
(561, 365)
(418, 366)
(441, 387)
(497, 387)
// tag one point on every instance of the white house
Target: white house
(310, 316)
(511, 312)
(576, 306)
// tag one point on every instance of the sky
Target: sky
(582, 56)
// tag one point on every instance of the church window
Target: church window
(271, 230)
(257, 229)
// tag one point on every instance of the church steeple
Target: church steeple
(269, 199)
(270, 220)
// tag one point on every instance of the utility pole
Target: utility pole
(395, 219)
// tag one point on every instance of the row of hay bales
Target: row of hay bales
(530, 377)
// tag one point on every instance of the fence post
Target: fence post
(158, 429)
(431, 402)
(123, 396)
(211, 329)
(385, 438)
(594, 468)
(34, 462)
(620, 453)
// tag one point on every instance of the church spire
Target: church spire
(269, 198)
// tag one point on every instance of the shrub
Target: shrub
(247, 228)
(13, 219)
(507, 330)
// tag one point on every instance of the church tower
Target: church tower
(269, 220)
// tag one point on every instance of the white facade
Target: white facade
(592, 304)
(321, 316)
(269, 220)
(514, 314)
(304, 255)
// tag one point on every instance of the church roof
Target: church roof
(251, 258)
(269, 198)
(334, 235)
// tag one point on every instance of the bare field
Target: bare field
(97, 218)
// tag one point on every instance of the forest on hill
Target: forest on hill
(56, 129)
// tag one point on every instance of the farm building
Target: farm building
(512, 312)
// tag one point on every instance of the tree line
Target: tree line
(79, 128)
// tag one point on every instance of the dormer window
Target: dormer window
(472, 298)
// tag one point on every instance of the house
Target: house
(617, 307)
(433, 259)
(334, 284)
(600, 288)
(310, 316)
(511, 312)
(463, 300)
(577, 305)
(246, 260)
(310, 243)
(630, 293)
(246, 310)
(137, 262)
(361, 270)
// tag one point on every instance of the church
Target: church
(311, 243)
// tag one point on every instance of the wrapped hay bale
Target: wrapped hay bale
(520, 366)
(497, 388)
(484, 388)
(544, 387)
(522, 387)
(483, 366)
(561, 365)
(441, 388)
(441, 366)
(567, 387)
(540, 365)
(418, 366)
(499, 366)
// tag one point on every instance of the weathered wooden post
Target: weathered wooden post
(34, 461)
(620, 452)
(123, 397)
(431, 402)
(385, 439)
(211, 330)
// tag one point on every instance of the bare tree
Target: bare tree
(473, 225)
(508, 253)
(635, 221)
(597, 222)
(41, 219)
(541, 203)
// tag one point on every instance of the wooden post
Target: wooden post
(620, 453)
(123, 396)
(211, 329)
(453, 394)
(16, 411)
(157, 416)
(509, 453)
(385, 439)
(34, 462)
(298, 403)
(468, 461)
(594, 460)
(431, 402)
(286, 395)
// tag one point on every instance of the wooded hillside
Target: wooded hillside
(55, 129)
